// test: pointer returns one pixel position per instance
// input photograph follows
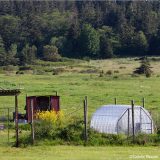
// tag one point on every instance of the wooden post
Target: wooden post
(140, 119)
(115, 101)
(85, 119)
(8, 125)
(32, 122)
(16, 119)
(133, 129)
(143, 102)
(128, 121)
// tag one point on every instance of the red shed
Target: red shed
(41, 103)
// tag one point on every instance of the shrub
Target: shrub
(51, 53)
(50, 116)
(109, 72)
(72, 133)
(96, 138)
(116, 71)
(47, 123)
(56, 71)
(24, 68)
(101, 74)
(146, 139)
(39, 72)
(19, 72)
(9, 68)
(144, 68)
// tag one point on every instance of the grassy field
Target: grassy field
(82, 78)
(79, 153)
(76, 80)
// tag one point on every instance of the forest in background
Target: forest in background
(50, 30)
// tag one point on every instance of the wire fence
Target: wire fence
(6, 124)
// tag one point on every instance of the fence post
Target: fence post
(143, 102)
(133, 130)
(32, 122)
(128, 121)
(115, 101)
(8, 124)
(16, 119)
(85, 119)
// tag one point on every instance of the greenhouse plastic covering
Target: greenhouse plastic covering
(114, 119)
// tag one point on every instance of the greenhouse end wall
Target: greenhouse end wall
(115, 119)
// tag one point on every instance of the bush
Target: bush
(116, 71)
(19, 72)
(39, 72)
(51, 53)
(101, 74)
(9, 68)
(146, 139)
(57, 71)
(98, 139)
(144, 68)
(47, 124)
(109, 72)
(24, 68)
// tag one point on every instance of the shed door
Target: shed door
(55, 103)
(30, 101)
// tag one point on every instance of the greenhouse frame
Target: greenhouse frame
(117, 119)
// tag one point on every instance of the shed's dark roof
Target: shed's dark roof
(9, 92)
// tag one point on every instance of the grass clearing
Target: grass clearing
(77, 153)
(73, 86)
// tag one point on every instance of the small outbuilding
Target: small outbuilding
(41, 103)
(115, 119)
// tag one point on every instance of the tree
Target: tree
(89, 42)
(2, 52)
(141, 43)
(109, 42)
(144, 68)
(9, 29)
(12, 55)
(106, 49)
(28, 55)
(71, 45)
(50, 53)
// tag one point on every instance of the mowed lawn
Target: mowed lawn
(79, 153)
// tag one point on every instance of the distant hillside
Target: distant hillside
(48, 30)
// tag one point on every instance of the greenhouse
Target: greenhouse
(115, 119)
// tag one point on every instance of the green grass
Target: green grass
(72, 86)
(77, 153)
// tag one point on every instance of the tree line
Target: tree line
(48, 30)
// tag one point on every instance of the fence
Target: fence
(6, 125)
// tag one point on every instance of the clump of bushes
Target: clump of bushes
(144, 68)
